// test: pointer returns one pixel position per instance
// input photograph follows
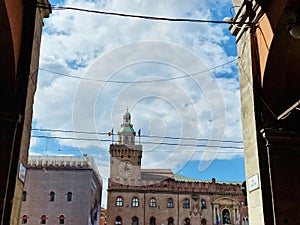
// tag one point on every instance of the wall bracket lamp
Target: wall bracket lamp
(294, 24)
(294, 29)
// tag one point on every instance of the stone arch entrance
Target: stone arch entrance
(226, 210)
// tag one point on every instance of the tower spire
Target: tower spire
(126, 133)
(127, 117)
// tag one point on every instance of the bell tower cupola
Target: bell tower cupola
(126, 133)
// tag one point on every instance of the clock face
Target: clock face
(125, 169)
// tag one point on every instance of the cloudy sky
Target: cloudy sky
(179, 81)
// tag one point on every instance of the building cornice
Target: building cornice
(64, 163)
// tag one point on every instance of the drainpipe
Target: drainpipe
(270, 174)
(144, 208)
(177, 206)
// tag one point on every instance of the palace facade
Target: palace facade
(158, 196)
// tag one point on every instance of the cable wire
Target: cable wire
(152, 150)
(48, 6)
(142, 142)
(137, 82)
(192, 139)
(69, 131)
(145, 136)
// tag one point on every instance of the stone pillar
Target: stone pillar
(271, 142)
(247, 74)
(216, 213)
(25, 26)
(283, 150)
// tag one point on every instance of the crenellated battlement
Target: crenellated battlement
(171, 185)
(117, 150)
(63, 162)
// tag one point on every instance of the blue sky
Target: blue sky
(177, 79)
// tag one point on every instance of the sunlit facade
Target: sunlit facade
(158, 196)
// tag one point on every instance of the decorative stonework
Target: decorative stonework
(63, 162)
(192, 201)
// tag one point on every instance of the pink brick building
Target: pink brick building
(139, 196)
(61, 190)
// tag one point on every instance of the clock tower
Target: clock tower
(126, 156)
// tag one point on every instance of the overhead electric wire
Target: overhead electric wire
(50, 7)
(152, 150)
(69, 131)
(146, 81)
(69, 138)
(192, 139)
(192, 145)
(142, 142)
(146, 136)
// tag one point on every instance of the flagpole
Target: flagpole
(139, 133)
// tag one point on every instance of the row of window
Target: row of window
(51, 196)
(152, 221)
(152, 202)
(43, 219)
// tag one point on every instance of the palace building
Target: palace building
(140, 196)
(61, 190)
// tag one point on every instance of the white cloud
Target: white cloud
(125, 49)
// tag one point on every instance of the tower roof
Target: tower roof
(127, 127)
(126, 133)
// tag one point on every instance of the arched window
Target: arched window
(226, 216)
(170, 221)
(152, 221)
(170, 203)
(119, 202)
(43, 219)
(52, 196)
(152, 202)
(135, 202)
(135, 221)
(24, 219)
(118, 220)
(186, 203)
(69, 196)
(245, 220)
(203, 221)
(24, 195)
(61, 219)
(187, 221)
(203, 204)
